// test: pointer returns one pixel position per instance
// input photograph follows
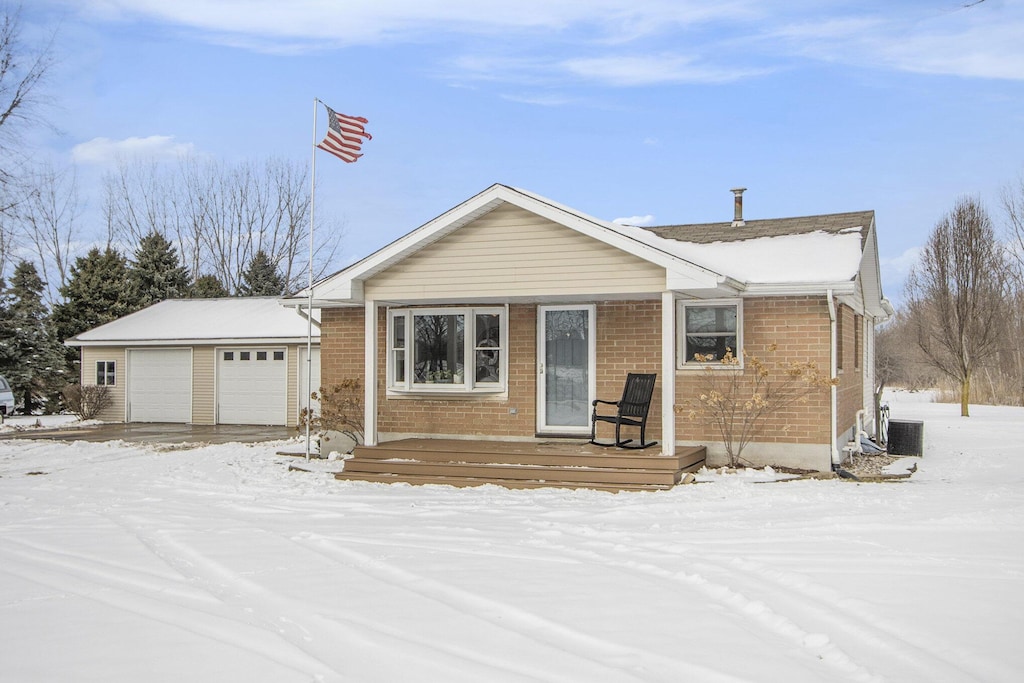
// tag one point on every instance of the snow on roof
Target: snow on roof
(204, 320)
(818, 256)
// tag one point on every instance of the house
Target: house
(503, 318)
(203, 361)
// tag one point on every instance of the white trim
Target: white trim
(239, 341)
(668, 373)
(542, 426)
(680, 343)
(370, 373)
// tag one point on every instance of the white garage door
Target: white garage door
(159, 385)
(252, 386)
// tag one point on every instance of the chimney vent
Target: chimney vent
(737, 212)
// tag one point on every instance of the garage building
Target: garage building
(204, 361)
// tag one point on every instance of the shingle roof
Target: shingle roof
(706, 233)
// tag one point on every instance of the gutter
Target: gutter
(833, 373)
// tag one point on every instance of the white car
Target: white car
(6, 397)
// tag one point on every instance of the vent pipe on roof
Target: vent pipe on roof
(737, 206)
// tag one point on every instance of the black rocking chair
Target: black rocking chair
(631, 411)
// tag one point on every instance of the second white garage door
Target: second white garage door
(252, 386)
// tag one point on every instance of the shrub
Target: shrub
(738, 404)
(86, 401)
(341, 410)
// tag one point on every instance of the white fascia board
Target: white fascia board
(846, 287)
(266, 341)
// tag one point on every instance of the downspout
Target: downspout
(833, 373)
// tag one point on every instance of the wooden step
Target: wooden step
(461, 482)
(571, 464)
(515, 472)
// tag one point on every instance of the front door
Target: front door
(566, 369)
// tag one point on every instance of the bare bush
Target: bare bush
(87, 401)
(341, 410)
(738, 403)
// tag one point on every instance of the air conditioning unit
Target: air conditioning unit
(906, 437)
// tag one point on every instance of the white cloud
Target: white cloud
(639, 70)
(105, 150)
(635, 220)
(734, 39)
(895, 269)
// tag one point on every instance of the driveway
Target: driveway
(159, 433)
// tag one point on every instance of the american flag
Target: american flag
(343, 136)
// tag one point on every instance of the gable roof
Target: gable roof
(346, 285)
(799, 255)
(207, 321)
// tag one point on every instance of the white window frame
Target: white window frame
(108, 373)
(405, 384)
(684, 363)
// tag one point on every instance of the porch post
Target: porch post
(668, 373)
(370, 373)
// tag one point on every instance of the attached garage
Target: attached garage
(250, 383)
(203, 361)
(159, 385)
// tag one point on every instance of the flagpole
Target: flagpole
(309, 310)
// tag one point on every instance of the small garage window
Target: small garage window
(105, 373)
(278, 355)
(229, 355)
(243, 355)
(261, 355)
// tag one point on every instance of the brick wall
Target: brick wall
(628, 340)
(800, 327)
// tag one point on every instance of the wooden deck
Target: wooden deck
(561, 463)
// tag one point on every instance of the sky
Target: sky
(644, 110)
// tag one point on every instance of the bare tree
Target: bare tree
(1013, 208)
(23, 70)
(49, 220)
(220, 216)
(956, 295)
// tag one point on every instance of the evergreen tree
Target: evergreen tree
(30, 358)
(156, 273)
(96, 293)
(261, 278)
(208, 287)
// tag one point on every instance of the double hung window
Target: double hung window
(105, 374)
(708, 331)
(447, 349)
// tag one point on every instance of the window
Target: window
(858, 335)
(229, 355)
(278, 355)
(447, 349)
(243, 355)
(105, 374)
(710, 329)
(261, 355)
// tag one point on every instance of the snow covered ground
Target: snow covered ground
(127, 563)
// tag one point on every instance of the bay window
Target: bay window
(447, 349)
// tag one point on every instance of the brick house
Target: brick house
(506, 316)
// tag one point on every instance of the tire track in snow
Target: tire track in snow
(333, 640)
(814, 601)
(146, 598)
(613, 657)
